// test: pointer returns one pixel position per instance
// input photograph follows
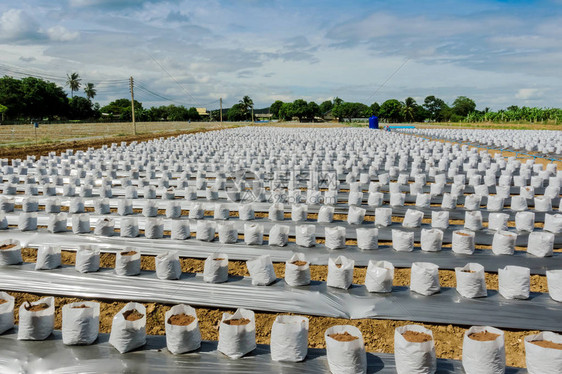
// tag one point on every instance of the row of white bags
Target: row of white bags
(540, 244)
(414, 347)
(299, 210)
(514, 281)
(290, 189)
(483, 351)
(154, 227)
(375, 165)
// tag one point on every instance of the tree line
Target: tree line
(36, 99)
(433, 109)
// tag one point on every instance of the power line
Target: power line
(48, 76)
(150, 92)
(389, 78)
(175, 80)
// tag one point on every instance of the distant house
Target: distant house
(328, 116)
(263, 116)
(203, 112)
(110, 115)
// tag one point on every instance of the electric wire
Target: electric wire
(388, 78)
(175, 80)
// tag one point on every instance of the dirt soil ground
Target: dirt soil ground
(43, 149)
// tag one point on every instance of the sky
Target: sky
(192, 53)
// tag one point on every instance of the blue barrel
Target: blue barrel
(373, 122)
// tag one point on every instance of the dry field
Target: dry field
(23, 135)
(17, 135)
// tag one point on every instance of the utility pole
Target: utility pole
(132, 84)
(253, 116)
(221, 109)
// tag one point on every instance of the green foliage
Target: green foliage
(43, 99)
(325, 107)
(3, 109)
(421, 114)
(236, 113)
(286, 111)
(409, 109)
(463, 105)
(437, 109)
(177, 113)
(193, 114)
(159, 113)
(122, 108)
(90, 91)
(73, 82)
(300, 109)
(10, 95)
(391, 110)
(82, 108)
(351, 110)
(246, 104)
(170, 113)
(516, 114)
(36, 99)
(313, 110)
(30, 97)
(275, 107)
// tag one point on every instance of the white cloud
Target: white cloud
(529, 94)
(292, 49)
(17, 25)
(62, 34)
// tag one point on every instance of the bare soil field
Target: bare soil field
(18, 135)
(21, 151)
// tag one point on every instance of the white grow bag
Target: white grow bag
(80, 326)
(483, 357)
(289, 338)
(542, 360)
(471, 281)
(412, 357)
(514, 282)
(237, 340)
(297, 274)
(379, 277)
(128, 335)
(179, 338)
(345, 357)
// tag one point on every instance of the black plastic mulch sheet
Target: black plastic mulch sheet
(317, 255)
(53, 356)
(539, 312)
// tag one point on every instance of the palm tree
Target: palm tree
(409, 108)
(246, 104)
(90, 91)
(73, 81)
